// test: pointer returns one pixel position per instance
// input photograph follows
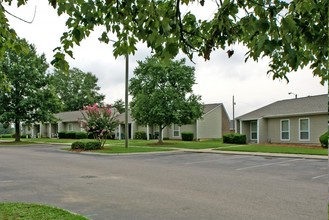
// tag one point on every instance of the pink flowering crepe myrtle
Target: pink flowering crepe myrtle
(100, 121)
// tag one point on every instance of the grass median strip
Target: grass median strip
(131, 149)
(25, 211)
(278, 149)
(139, 146)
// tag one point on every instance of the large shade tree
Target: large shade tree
(162, 94)
(119, 105)
(28, 98)
(76, 89)
(292, 34)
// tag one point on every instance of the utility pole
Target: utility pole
(233, 102)
(126, 101)
(126, 98)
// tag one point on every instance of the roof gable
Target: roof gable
(300, 106)
(209, 107)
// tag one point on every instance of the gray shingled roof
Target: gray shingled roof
(302, 106)
(76, 115)
(69, 116)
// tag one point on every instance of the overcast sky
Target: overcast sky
(218, 80)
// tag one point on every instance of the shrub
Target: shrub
(92, 145)
(324, 140)
(6, 136)
(187, 136)
(25, 136)
(90, 136)
(141, 135)
(234, 138)
(70, 135)
(111, 136)
(81, 135)
(61, 134)
(78, 145)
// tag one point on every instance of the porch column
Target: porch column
(32, 131)
(119, 132)
(197, 130)
(147, 133)
(49, 130)
(40, 131)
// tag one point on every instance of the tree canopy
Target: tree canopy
(76, 89)
(119, 105)
(29, 98)
(292, 34)
(162, 94)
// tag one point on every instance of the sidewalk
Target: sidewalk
(307, 156)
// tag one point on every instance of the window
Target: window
(285, 130)
(304, 129)
(69, 127)
(176, 130)
(253, 130)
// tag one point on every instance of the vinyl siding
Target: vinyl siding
(318, 125)
(211, 124)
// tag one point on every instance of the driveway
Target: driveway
(171, 185)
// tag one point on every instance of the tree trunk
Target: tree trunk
(17, 131)
(160, 135)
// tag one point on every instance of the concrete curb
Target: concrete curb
(209, 151)
(307, 156)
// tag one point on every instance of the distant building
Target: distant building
(213, 124)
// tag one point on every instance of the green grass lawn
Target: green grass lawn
(24, 211)
(131, 149)
(278, 149)
(171, 144)
(117, 146)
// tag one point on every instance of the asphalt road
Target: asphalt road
(172, 185)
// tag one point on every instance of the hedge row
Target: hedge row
(14, 135)
(187, 136)
(7, 135)
(234, 138)
(72, 135)
(91, 145)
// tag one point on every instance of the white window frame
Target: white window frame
(308, 130)
(281, 131)
(70, 127)
(251, 131)
(178, 130)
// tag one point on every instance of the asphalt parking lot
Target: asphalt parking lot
(171, 185)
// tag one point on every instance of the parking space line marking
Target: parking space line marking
(206, 161)
(269, 164)
(6, 181)
(316, 177)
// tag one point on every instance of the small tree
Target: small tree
(162, 94)
(99, 121)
